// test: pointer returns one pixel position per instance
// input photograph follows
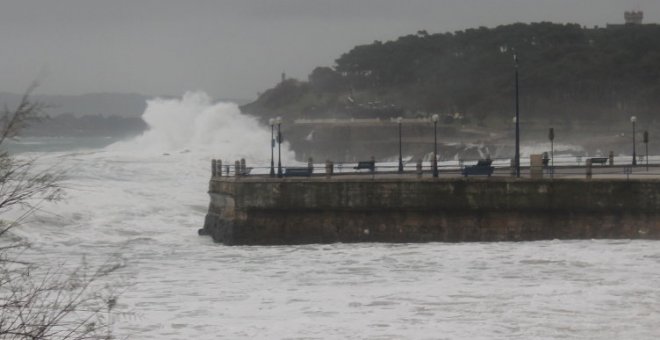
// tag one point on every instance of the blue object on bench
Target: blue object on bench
(482, 168)
(298, 172)
(371, 165)
(599, 160)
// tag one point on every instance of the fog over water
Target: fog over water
(143, 200)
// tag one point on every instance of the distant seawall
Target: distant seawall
(271, 211)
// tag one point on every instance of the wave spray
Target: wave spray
(195, 124)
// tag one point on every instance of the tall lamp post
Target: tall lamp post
(278, 121)
(646, 143)
(551, 136)
(517, 156)
(633, 120)
(435, 145)
(398, 120)
(271, 122)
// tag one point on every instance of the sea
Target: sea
(142, 200)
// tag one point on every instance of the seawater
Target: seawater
(144, 199)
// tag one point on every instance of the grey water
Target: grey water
(57, 144)
(145, 208)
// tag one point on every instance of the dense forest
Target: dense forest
(567, 72)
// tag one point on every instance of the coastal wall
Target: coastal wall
(262, 210)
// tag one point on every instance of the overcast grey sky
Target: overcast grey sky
(233, 49)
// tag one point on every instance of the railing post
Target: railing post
(213, 167)
(536, 166)
(329, 168)
(611, 158)
(627, 170)
(310, 165)
(513, 167)
(243, 168)
(237, 168)
(589, 170)
(419, 168)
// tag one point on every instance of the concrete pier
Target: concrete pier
(258, 210)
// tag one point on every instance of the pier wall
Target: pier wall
(253, 210)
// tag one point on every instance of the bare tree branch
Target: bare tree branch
(36, 304)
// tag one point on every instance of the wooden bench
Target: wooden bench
(298, 172)
(370, 165)
(599, 160)
(482, 168)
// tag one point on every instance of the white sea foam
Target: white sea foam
(195, 124)
(131, 200)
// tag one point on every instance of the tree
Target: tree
(326, 79)
(21, 183)
(37, 303)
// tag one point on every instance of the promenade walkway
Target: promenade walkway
(573, 168)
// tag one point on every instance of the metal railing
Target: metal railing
(564, 167)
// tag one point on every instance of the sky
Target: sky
(235, 48)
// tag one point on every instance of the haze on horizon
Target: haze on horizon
(234, 49)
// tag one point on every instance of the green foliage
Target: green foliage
(566, 71)
(284, 93)
(325, 79)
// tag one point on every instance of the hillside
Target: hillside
(567, 74)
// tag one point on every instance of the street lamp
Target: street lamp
(551, 136)
(517, 119)
(633, 120)
(278, 121)
(646, 143)
(271, 122)
(516, 157)
(398, 120)
(435, 144)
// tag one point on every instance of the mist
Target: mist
(235, 49)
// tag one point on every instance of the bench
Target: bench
(599, 160)
(243, 173)
(298, 172)
(482, 168)
(370, 165)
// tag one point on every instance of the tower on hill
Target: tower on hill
(634, 17)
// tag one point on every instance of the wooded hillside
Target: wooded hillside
(567, 72)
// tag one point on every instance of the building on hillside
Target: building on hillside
(631, 18)
(634, 17)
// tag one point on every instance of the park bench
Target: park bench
(482, 168)
(243, 173)
(298, 172)
(371, 165)
(599, 160)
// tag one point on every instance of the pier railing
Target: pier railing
(561, 167)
